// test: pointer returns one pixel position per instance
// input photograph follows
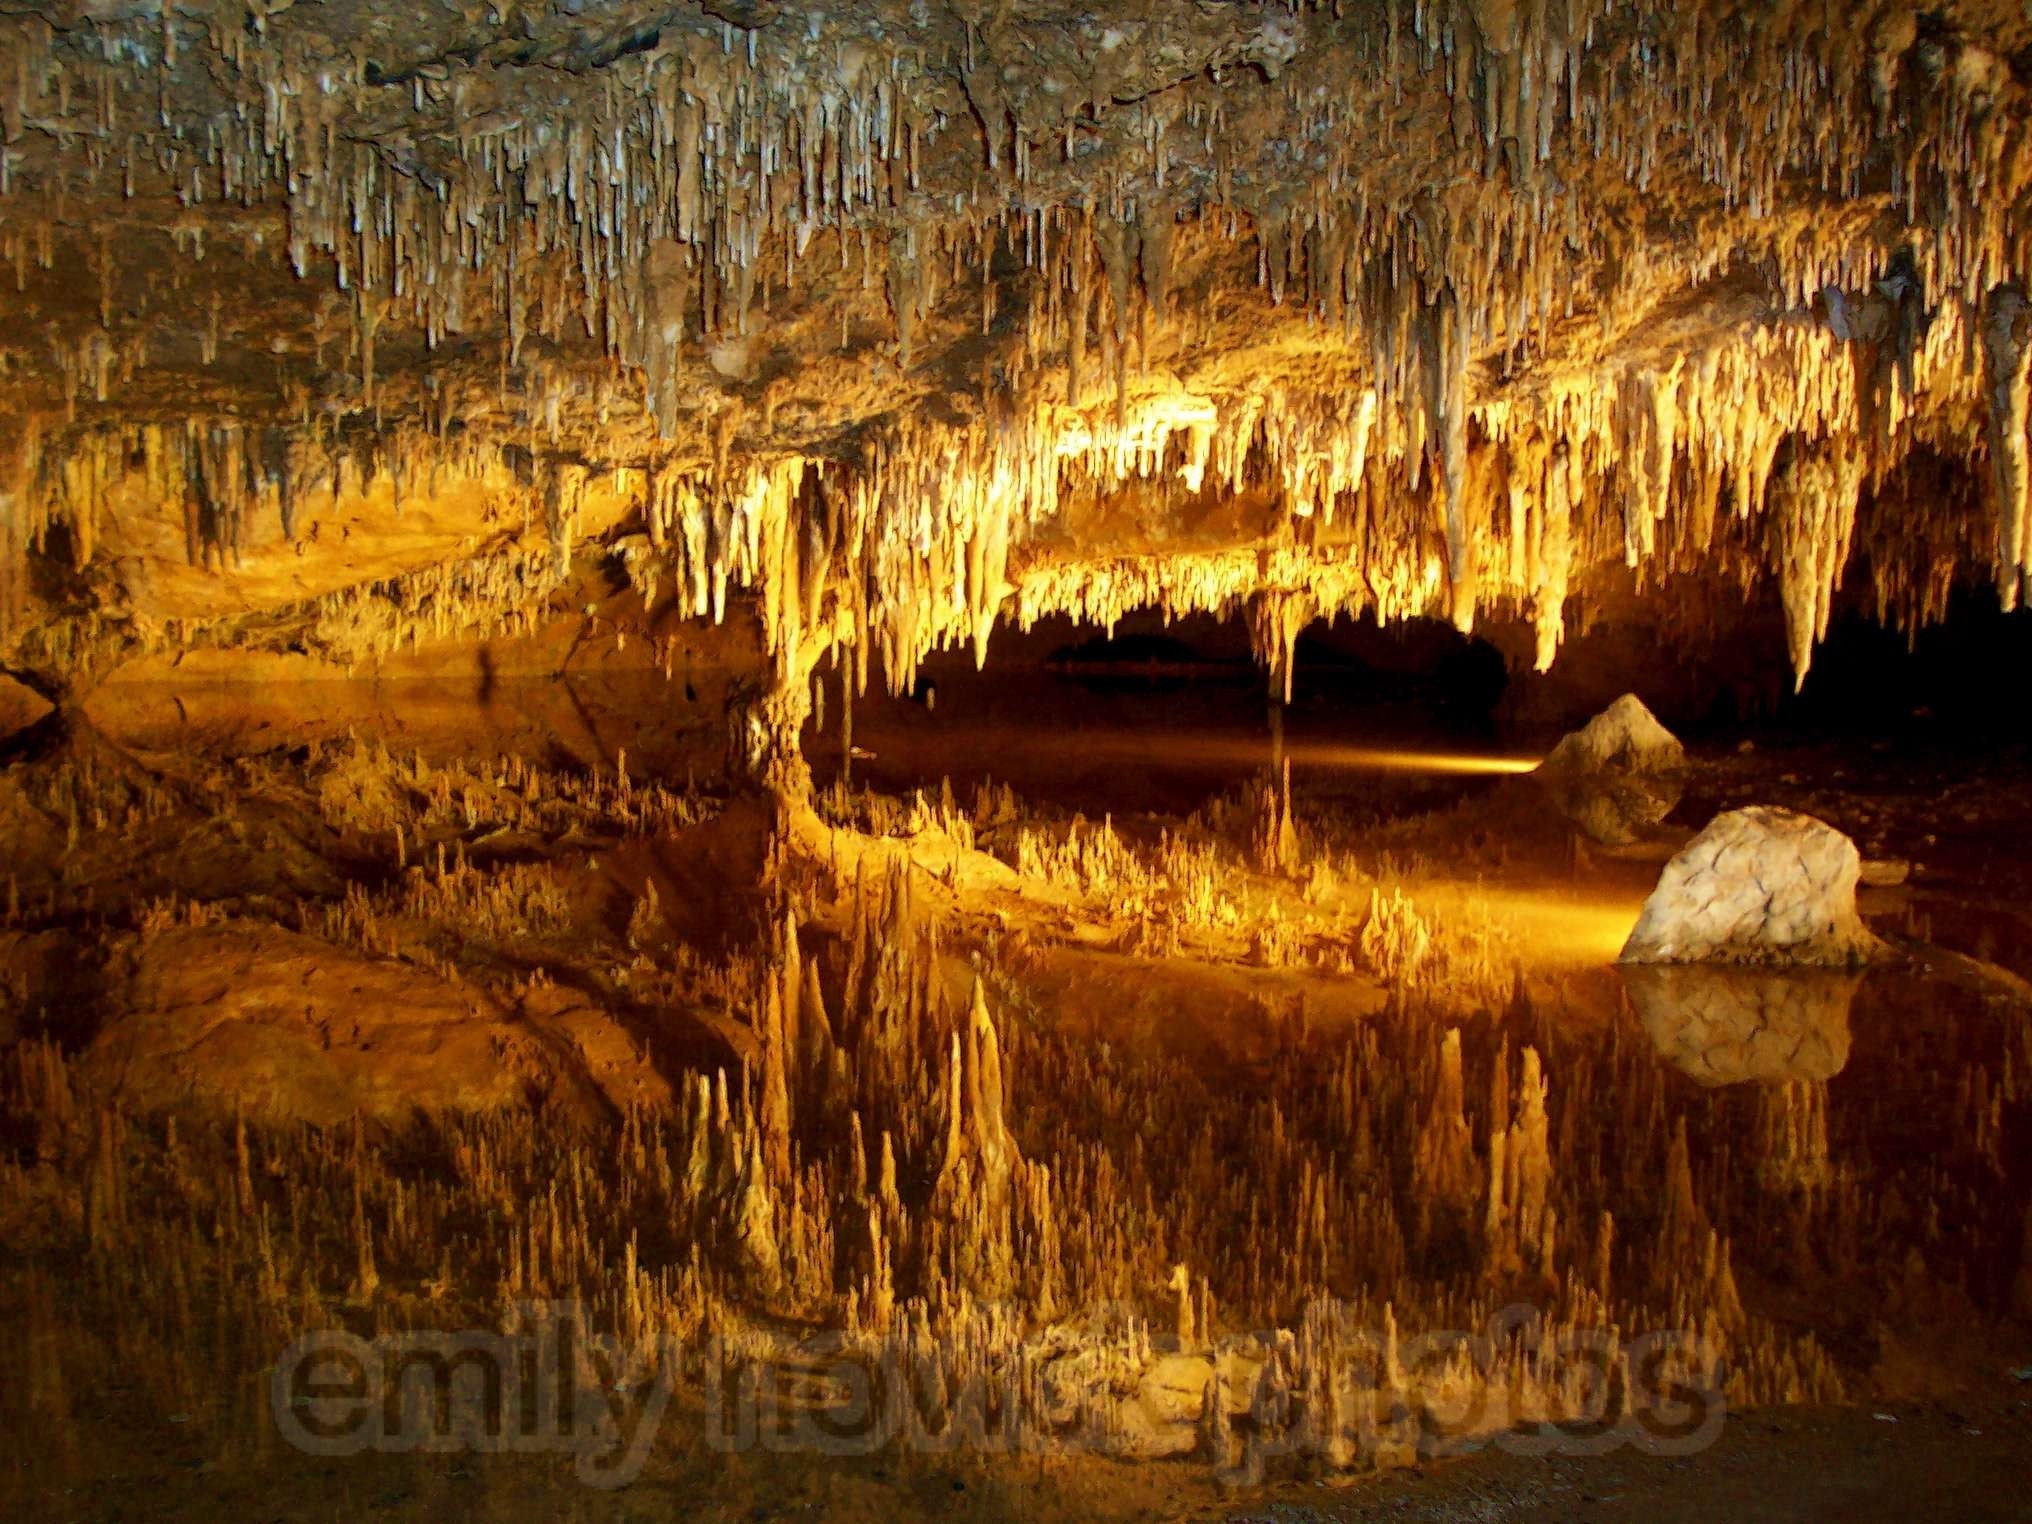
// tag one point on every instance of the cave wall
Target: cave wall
(335, 333)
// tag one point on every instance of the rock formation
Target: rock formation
(1617, 775)
(882, 325)
(1276, 1236)
(1758, 885)
(780, 347)
(975, 1191)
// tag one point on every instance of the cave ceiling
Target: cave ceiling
(333, 326)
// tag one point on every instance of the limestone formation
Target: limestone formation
(884, 325)
(1618, 775)
(787, 349)
(1121, 1251)
(288, 1026)
(1758, 886)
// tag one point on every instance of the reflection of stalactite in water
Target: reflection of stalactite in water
(1792, 1152)
(2021, 1292)
(1519, 1225)
(1442, 1162)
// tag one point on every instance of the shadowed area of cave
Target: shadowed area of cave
(1200, 761)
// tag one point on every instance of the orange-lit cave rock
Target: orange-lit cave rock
(794, 750)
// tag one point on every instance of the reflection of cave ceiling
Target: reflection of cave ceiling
(337, 323)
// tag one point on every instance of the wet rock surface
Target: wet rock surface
(1757, 886)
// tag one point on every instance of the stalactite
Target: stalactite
(773, 1087)
(16, 454)
(1448, 346)
(1276, 620)
(2007, 357)
(1429, 374)
(1815, 507)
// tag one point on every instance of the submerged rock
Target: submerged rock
(1759, 885)
(1617, 775)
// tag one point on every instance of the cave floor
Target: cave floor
(1281, 1027)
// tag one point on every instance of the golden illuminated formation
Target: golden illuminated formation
(1063, 761)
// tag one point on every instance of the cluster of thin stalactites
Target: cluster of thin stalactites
(1471, 418)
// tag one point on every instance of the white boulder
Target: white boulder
(1759, 885)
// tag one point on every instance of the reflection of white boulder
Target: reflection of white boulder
(1723, 1026)
(1617, 775)
(1759, 885)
